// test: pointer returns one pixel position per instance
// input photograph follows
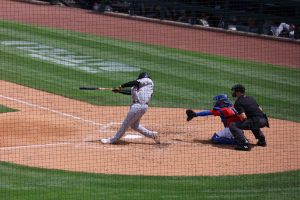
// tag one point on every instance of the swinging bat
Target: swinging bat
(94, 88)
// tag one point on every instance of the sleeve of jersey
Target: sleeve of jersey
(239, 108)
(130, 84)
(144, 81)
(215, 112)
(126, 92)
(204, 113)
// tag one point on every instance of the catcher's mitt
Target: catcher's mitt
(190, 115)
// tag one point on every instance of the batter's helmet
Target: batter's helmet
(144, 75)
(221, 100)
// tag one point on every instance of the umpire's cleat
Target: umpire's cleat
(156, 138)
(262, 143)
(244, 147)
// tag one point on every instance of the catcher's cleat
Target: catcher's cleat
(214, 138)
(105, 141)
(156, 138)
(243, 147)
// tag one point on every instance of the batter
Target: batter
(141, 93)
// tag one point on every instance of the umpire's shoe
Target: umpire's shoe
(244, 146)
(261, 143)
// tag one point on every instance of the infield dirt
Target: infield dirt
(54, 132)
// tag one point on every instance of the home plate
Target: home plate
(130, 136)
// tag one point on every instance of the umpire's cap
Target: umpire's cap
(238, 88)
(144, 75)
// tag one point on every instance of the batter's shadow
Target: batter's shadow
(160, 145)
(124, 143)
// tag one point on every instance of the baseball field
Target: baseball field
(50, 130)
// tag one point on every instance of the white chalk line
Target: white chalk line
(96, 146)
(80, 145)
(108, 125)
(51, 110)
(35, 146)
(103, 127)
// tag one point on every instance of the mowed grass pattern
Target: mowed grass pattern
(182, 79)
(4, 109)
(26, 183)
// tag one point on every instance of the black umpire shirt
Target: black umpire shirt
(247, 105)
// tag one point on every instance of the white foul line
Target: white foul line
(103, 126)
(35, 146)
(50, 110)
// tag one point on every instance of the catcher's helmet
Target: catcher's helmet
(221, 100)
(144, 75)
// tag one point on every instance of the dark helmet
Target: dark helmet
(238, 88)
(144, 75)
(221, 100)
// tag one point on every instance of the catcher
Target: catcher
(223, 108)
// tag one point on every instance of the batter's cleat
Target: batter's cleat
(156, 138)
(243, 147)
(106, 141)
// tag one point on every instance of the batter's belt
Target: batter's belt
(134, 102)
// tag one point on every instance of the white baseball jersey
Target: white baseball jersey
(141, 95)
(143, 92)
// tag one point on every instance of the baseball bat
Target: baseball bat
(94, 88)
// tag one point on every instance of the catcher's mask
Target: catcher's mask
(221, 100)
(237, 88)
(144, 75)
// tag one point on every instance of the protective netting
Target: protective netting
(149, 99)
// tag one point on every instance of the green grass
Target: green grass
(182, 78)
(26, 183)
(4, 109)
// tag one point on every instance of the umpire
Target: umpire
(252, 118)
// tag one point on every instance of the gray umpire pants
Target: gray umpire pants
(132, 120)
(254, 124)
